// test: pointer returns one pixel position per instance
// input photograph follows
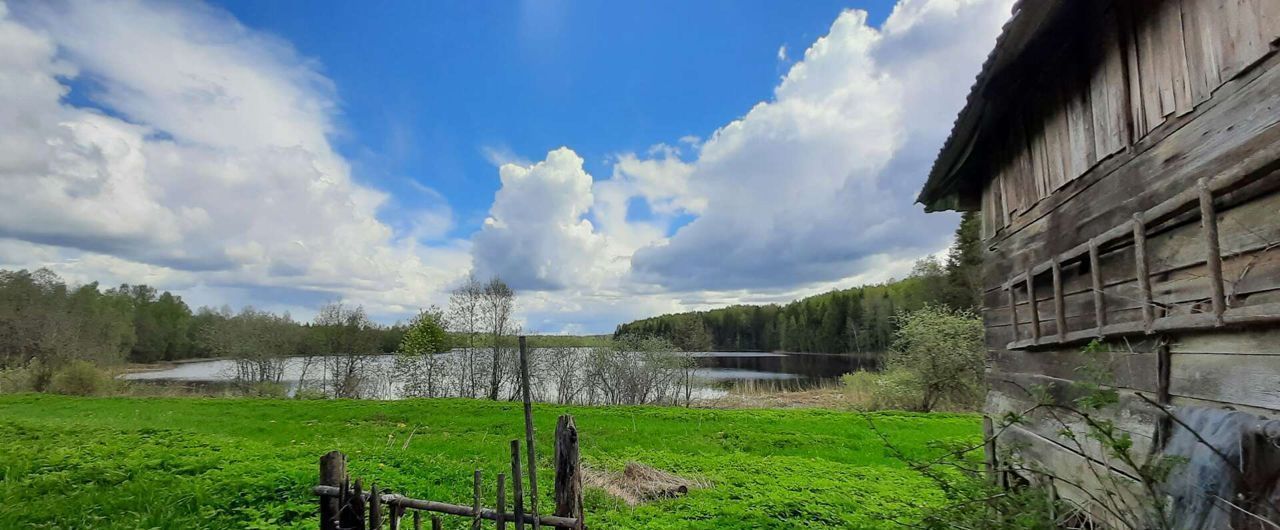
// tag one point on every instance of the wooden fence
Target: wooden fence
(346, 506)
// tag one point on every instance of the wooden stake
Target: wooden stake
(568, 490)
(375, 508)
(333, 467)
(475, 504)
(516, 484)
(1213, 253)
(436, 523)
(396, 512)
(357, 507)
(502, 501)
(417, 520)
(1059, 302)
(1035, 311)
(528, 433)
(989, 448)
(1095, 275)
(1142, 272)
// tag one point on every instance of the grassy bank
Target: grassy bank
(246, 463)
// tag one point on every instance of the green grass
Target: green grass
(250, 463)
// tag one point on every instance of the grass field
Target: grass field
(245, 463)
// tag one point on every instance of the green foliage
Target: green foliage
(893, 389)
(250, 463)
(860, 319)
(425, 334)
(80, 378)
(943, 347)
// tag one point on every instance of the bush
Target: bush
(80, 378)
(895, 389)
(944, 350)
(20, 379)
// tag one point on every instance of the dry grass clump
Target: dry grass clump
(638, 483)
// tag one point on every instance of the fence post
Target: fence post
(375, 508)
(502, 501)
(989, 448)
(333, 467)
(568, 480)
(528, 434)
(516, 486)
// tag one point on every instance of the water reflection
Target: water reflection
(716, 373)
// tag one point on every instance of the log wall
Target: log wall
(1164, 94)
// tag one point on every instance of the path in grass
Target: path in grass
(250, 463)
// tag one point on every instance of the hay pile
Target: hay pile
(638, 483)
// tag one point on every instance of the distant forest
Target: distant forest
(859, 319)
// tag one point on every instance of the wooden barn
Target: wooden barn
(1125, 157)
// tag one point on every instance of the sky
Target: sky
(609, 160)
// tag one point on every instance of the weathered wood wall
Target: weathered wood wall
(1154, 96)
(1133, 68)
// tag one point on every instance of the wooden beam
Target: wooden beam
(1013, 309)
(1213, 253)
(1035, 311)
(1142, 271)
(1095, 276)
(1059, 303)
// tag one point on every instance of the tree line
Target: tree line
(860, 319)
(46, 323)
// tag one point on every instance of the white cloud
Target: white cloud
(536, 236)
(782, 53)
(214, 159)
(806, 187)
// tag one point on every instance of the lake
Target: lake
(716, 373)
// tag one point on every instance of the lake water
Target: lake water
(716, 374)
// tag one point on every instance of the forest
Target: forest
(860, 319)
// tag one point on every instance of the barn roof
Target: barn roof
(1029, 19)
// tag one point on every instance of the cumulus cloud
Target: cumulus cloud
(206, 150)
(815, 183)
(536, 236)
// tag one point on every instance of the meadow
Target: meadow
(129, 462)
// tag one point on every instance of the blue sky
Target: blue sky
(609, 160)
(426, 88)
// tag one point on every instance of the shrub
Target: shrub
(20, 379)
(895, 389)
(944, 348)
(80, 378)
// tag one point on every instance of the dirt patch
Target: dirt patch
(638, 483)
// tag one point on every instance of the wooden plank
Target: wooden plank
(1174, 56)
(1244, 42)
(1107, 93)
(1246, 342)
(1203, 38)
(1246, 379)
(1129, 369)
